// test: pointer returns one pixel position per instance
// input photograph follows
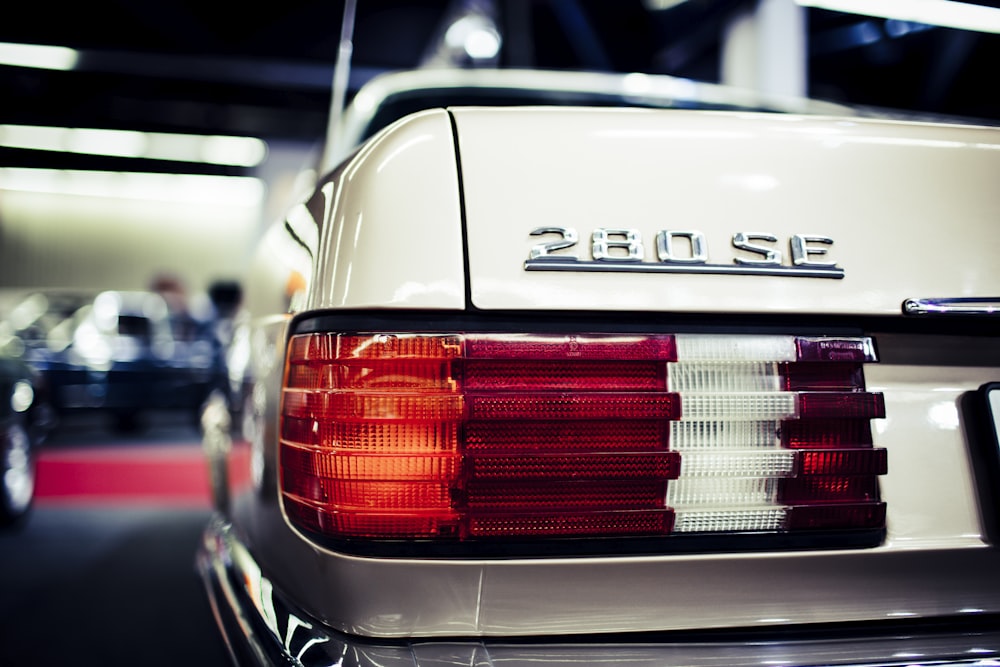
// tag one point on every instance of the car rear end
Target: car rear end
(616, 386)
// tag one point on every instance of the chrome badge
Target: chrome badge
(623, 250)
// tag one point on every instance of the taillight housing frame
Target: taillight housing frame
(454, 545)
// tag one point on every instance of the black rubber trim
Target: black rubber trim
(462, 212)
(984, 450)
(473, 320)
(502, 549)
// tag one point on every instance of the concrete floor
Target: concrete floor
(107, 582)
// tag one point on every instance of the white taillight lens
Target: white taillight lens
(477, 437)
(775, 435)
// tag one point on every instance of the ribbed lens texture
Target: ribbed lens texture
(568, 524)
(350, 465)
(819, 376)
(368, 495)
(728, 378)
(611, 495)
(779, 440)
(479, 437)
(328, 520)
(382, 437)
(566, 375)
(825, 433)
(574, 347)
(723, 491)
(722, 520)
(695, 435)
(830, 489)
(549, 406)
(603, 466)
(569, 435)
(740, 463)
(843, 462)
(738, 406)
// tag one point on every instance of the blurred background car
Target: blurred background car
(119, 352)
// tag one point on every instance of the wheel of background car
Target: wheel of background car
(17, 485)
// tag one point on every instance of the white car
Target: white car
(546, 385)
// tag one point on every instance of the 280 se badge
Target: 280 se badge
(623, 250)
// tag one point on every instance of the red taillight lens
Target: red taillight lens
(424, 436)
(489, 436)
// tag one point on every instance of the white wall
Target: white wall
(78, 231)
(49, 240)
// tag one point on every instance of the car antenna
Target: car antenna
(341, 77)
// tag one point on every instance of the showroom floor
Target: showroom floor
(102, 572)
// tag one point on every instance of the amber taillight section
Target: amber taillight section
(480, 437)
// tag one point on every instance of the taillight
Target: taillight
(470, 438)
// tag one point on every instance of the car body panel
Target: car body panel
(927, 532)
(873, 187)
(427, 228)
(263, 626)
(934, 527)
(416, 163)
(664, 168)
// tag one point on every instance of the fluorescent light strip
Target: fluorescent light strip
(661, 5)
(942, 13)
(175, 188)
(221, 150)
(38, 57)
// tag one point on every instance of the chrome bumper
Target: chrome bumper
(260, 627)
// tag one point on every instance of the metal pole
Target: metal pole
(764, 49)
(341, 74)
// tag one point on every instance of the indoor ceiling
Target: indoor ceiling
(237, 68)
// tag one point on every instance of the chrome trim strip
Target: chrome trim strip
(572, 264)
(261, 627)
(981, 306)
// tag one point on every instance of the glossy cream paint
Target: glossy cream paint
(389, 220)
(935, 560)
(899, 200)
(906, 206)
(909, 207)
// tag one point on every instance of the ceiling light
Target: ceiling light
(40, 57)
(475, 37)
(661, 5)
(175, 188)
(221, 150)
(942, 13)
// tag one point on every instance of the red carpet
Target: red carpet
(144, 474)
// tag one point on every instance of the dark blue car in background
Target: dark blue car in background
(122, 353)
